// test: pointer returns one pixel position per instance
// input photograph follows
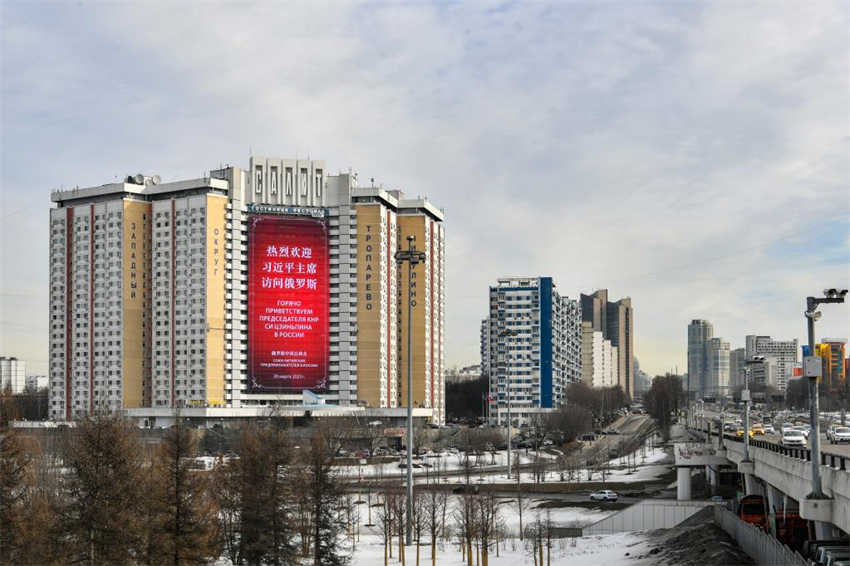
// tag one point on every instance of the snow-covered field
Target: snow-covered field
(600, 550)
(596, 550)
(608, 550)
(484, 468)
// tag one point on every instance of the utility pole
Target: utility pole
(812, 369)
(412, 257)
(505, 334)
(745, 395)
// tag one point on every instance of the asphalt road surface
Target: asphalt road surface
(825, 446)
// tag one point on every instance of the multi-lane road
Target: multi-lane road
(825, 446)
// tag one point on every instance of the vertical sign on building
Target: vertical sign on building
(288, 298)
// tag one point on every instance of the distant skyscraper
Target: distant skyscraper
(599, 359)
(616, 322)
(716, 375)
(699, 332)
(737, 367)
(544, 355)
(783, 352)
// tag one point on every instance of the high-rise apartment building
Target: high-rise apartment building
(783, 352)
(716, 374)
(485, 346)
(737, 357)
(763, 373)
(240, 290)
(13, 374)
(699, 332)
(535, 347)
(599, 359)
(831, 351)
(616, 322)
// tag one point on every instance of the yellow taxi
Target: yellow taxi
(739, 432)
(757, 428)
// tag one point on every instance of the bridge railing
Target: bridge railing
(836, 461)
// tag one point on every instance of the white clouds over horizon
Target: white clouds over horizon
(691, 156)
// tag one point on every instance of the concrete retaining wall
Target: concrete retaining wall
(646, 516)
(760, 546)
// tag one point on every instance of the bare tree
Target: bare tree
(519, 499)
(386, 520)
(419, 520)
(434, 515)
(465, 523)
(487, 522)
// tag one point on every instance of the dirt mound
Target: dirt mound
(695, 542)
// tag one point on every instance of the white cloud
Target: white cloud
(668, 152)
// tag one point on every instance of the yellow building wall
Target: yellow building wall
(413, 225)
(136, 301)
(216, 211)
(371, 282)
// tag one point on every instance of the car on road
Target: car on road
(803, 429)
(838, 434)
(768, 429)
(603, 495)
(793, 438)
(739, 432)
(757, 428)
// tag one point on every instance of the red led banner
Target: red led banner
(288, 298)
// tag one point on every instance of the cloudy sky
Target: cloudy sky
(693, 156)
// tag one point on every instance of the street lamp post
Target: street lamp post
(812, 370)
(745, 395)
(412, 257)
(504, 334)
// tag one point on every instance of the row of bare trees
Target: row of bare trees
(107, 497)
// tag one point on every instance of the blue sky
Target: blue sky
(693, 156)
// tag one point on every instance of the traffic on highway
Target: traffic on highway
(786, 428)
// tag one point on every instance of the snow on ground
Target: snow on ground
(607, 550)
(648, 462)
(588, 550)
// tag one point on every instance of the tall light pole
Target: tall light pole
(504, 334)
(412, 257)
(812, 370)
(745, 395)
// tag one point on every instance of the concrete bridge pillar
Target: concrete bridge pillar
(774, 504)
(752, 485)
(824, 530)
(683, 483)
(712, 478)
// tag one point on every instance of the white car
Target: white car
(603, 495)
(803, 429)
(793, 438)
(838, 434)
(768, 429)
